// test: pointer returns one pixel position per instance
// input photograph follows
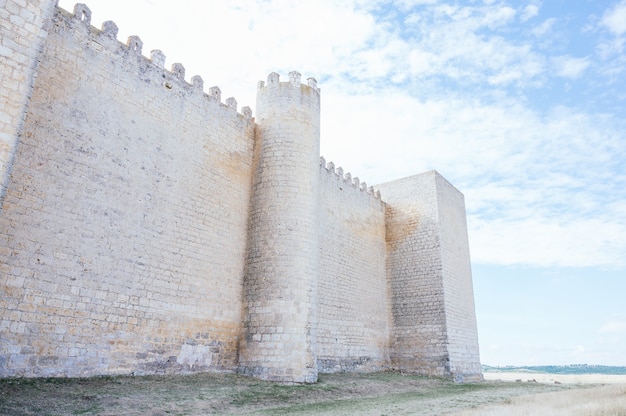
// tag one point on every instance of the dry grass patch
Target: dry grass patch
(592, 401)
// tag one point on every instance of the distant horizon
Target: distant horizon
(559, 369)
(552, 365)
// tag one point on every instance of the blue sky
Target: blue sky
(520, 104)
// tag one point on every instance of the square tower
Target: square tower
(428, 264)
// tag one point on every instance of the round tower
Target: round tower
(280, 284)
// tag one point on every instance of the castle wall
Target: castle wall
(123, 232)
(22, 34)
(146, 227)
(353, 302)
(428, 265)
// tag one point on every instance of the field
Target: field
(549, 378)
(335, 394)
(608, 400)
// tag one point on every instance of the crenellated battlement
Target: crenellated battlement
(348, 179)
(273, 81)
(175, 76)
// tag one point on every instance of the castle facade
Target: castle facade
(147, 227)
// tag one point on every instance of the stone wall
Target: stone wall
(354, 305)
(124, 225)
(22, 34)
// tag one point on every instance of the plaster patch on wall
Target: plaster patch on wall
(195, 355)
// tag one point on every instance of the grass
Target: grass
(596, 401)
(207, 394)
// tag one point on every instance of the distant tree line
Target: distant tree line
(560, 369)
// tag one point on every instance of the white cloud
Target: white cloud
(422, 62)
(608, 49)
(499, 16)
(614, 327)
(408, 4)
(546, 242)
(614, 19)
(544, 28)
(529, 12)
(570, 67)
(611, 49)
(453, 47)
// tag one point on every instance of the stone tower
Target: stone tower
(428, 264)
(280, 283)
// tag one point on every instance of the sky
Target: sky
(521, 105)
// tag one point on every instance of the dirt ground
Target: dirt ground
(224, 394)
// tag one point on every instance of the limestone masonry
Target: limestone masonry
(147, 227)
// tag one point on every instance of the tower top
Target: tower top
(273, 81)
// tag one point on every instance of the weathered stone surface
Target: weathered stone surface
(23, 31)
(146, 227)
(353, 307)
(125, 222)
